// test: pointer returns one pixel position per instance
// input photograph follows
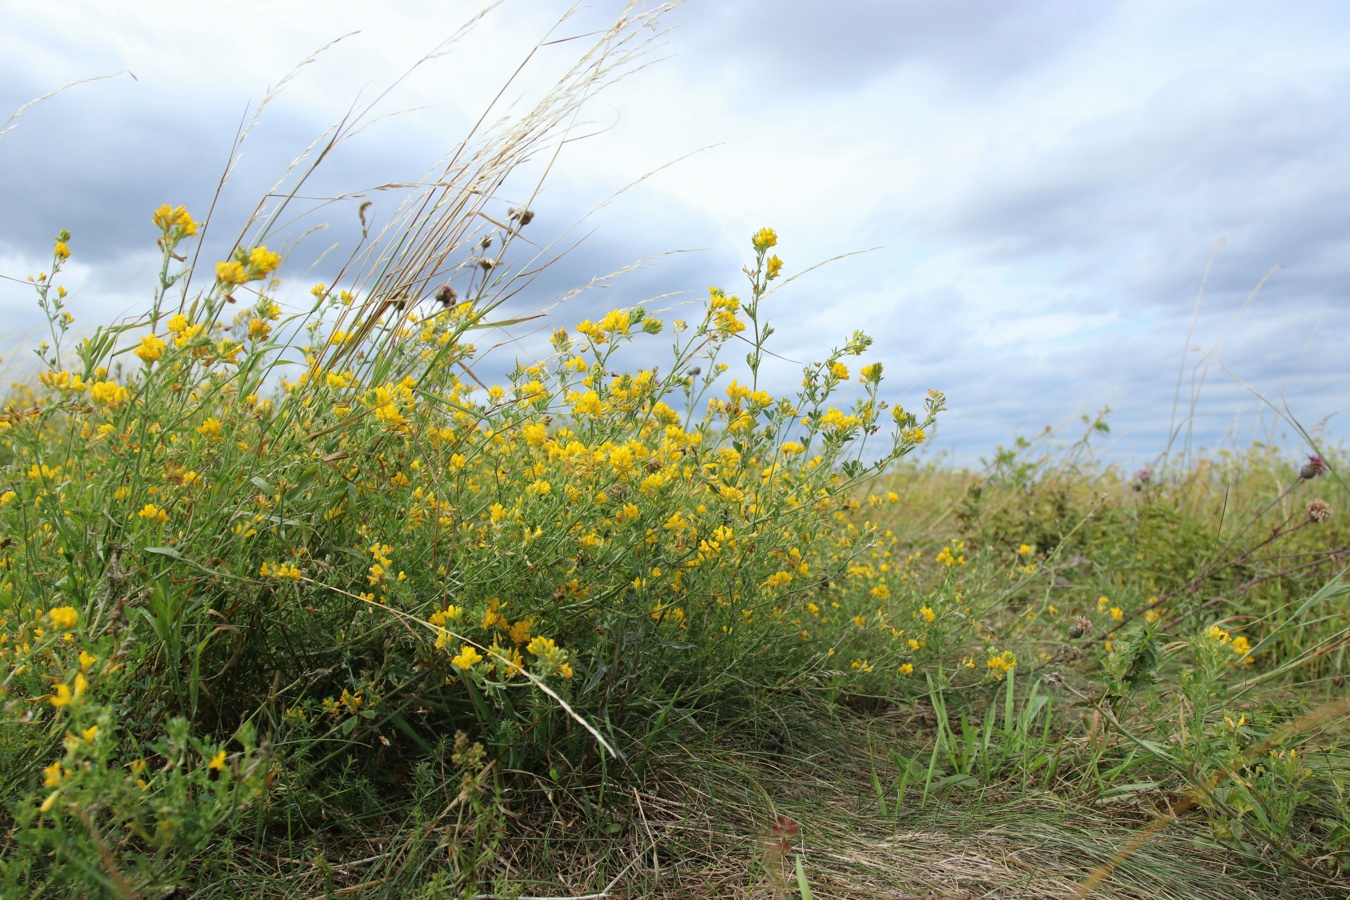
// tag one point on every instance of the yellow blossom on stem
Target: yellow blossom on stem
(108, 393)
(66, 695)
(169, 219)
(263, 261)
(210, 428)
(466, 659)
(231, 272)
(64, 617)
(151, 348)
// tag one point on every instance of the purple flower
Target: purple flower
(1316, 466)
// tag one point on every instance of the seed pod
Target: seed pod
(1319, 511)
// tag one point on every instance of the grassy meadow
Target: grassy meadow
(293, 604)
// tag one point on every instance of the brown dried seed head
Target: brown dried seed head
(1319, 511)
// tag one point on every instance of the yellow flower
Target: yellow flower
(948, 558)
(615, 322)
(151, 511)
(151, 348)
(210, 428)
(1000, 665)
(588, 403)
(108, 393)
(89, 733)
(466, 658)
(52, 775)
(1152, 615)
(907, 669)
(263, 260)
(49, 802)
(218, 761)
(64, 695)
(231, 272)
(168, 219)
(775, 266)
(928, 614)
(765, 239)
(64, 617)
(541, 646)
(1241, 646)
(1025, 550)
(61, 251)
(1117, 613)
(87, 659)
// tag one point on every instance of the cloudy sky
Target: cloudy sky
(1040, 185)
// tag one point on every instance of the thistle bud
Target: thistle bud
(1316, 466)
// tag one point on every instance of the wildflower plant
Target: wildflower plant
(572, 547)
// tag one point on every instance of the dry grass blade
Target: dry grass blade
(13, 119)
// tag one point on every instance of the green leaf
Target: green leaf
(802, 884)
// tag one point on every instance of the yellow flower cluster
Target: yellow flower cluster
(280, 570)
(174, 222)
(953, 555)
(1003, 663)
(246, 266)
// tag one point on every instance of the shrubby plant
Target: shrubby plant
(381, 550)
